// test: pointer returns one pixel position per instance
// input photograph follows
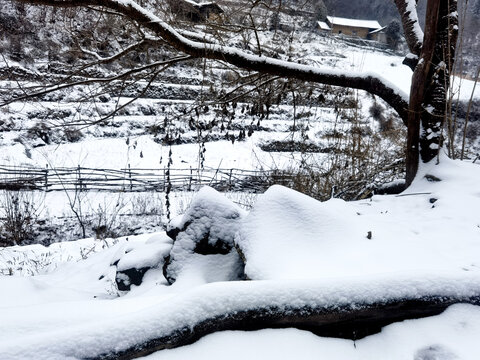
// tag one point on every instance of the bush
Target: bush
(20, 214)
(72, 135)
(40, 131)
(376, 111)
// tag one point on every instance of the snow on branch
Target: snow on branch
(371, 83)
(103, 60)
(411, 26)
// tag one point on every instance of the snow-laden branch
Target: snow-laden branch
(104, 60)
(369, 82)
(411, 27)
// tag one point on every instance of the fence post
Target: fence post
(230, 180)
(164, 180)
(46, 177)
(79, 178)
(130, 177)
(190, 180)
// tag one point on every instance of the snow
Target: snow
(287, 234)
(140, 321)
(411, 9)
(62, 302)
(451, 335)
(318, 255)
(150, 254)
(378, 30)
(323, 25)
(210, 224)
(290, 236)
(369, 24)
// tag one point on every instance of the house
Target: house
(195, 12)
(323, 27)
(366, 29)
(378, 35)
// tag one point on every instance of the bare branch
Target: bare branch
(133, 47)
(61, 86)
(368, 82)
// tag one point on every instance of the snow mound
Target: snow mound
(142, 255)
(134, 259)
(286, 231)
(204, 239)
(162, 317)
(431, 228)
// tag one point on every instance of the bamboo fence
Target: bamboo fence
(137, 179)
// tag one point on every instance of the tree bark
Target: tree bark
(411, 28)
(417, 90)
(437, 85)
(430, 83)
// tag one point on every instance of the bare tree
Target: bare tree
(432, 57)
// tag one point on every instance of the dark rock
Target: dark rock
(204, 239)
(135, 259)
(126, 278)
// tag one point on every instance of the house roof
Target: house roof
(368, 24)
(211, 5)
(378, 30)
(323, 25)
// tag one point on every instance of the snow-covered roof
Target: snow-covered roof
(378, 30)
(201, 4)
(369, 24)
(323, 25)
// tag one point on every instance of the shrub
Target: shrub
(376, 111)
(40, 130)
(20, 214)
(72, 135)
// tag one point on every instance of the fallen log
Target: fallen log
(352, 321)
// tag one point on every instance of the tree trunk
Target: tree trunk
(430, 84)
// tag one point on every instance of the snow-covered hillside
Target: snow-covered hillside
(120, 274)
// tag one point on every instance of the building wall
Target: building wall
(350, 31)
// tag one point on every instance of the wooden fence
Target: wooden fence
(136, 180)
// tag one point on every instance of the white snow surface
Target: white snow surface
(323, 25)
(417, 249)
(452, 335)
(121, 323)
(213, 211)
(369, 24)
(149, 254)
(211, 216)
(288, 235)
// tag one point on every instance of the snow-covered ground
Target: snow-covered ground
(418, 247)
(107, 146)
(62, 301)
(451, 335)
